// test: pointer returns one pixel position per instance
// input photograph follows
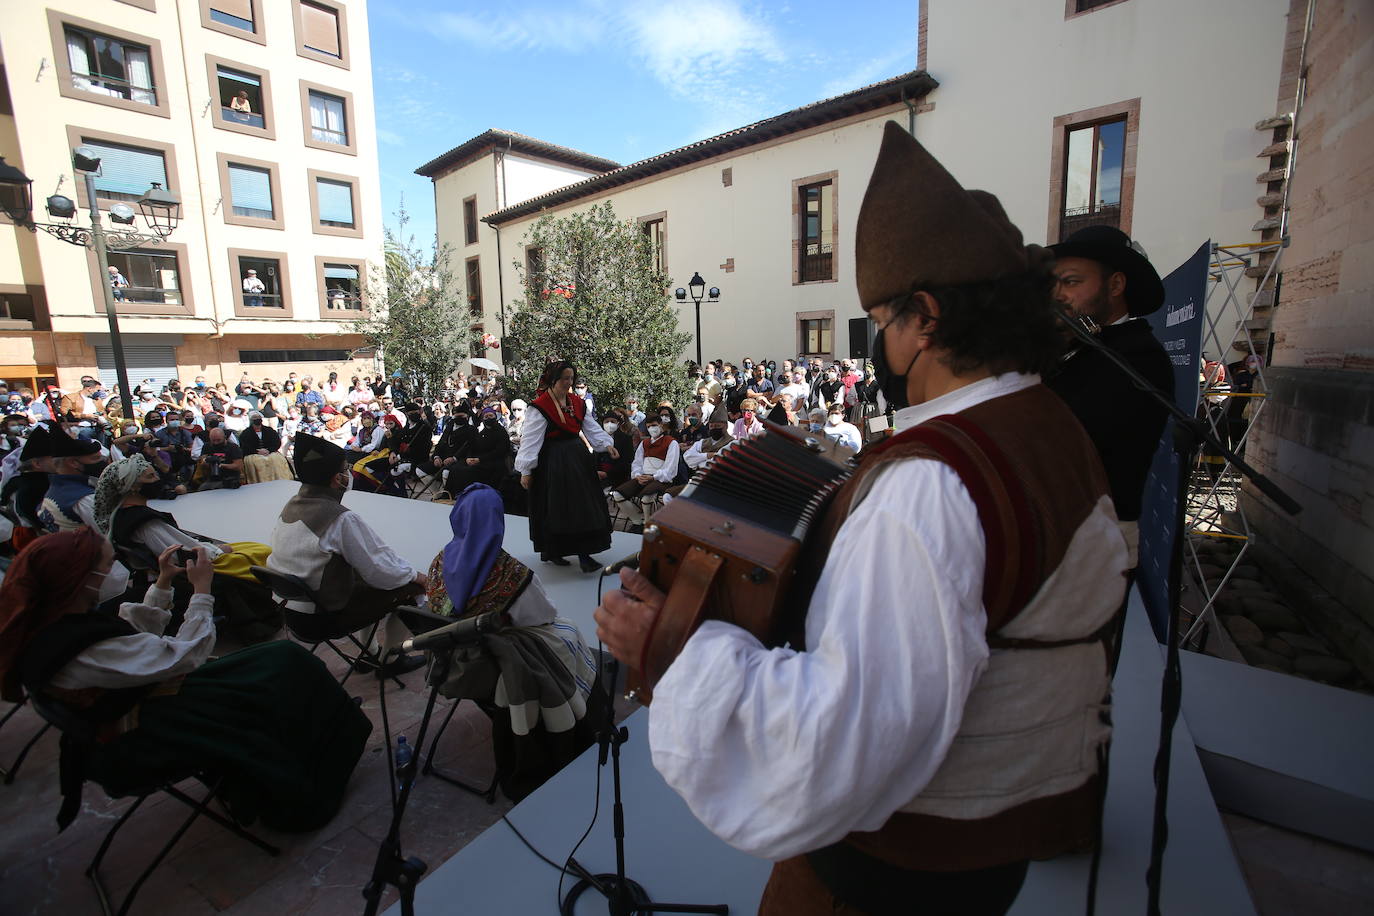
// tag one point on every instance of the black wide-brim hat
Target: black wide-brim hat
(317, 460)
(1112, 247)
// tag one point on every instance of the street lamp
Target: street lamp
(698, 290)
(161, 209)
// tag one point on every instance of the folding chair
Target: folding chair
(419, 485)
(418, 621)
(11, 772)
(318, 628)
(81, 733)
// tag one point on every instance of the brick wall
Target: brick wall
(1316, 434)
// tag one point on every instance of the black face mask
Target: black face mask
(150, 490)
(892, 385)
(94, 468)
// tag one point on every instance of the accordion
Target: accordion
(727, 547)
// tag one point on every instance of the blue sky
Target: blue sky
(623, 79)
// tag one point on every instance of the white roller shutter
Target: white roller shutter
(156, 363)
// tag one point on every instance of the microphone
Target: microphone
(632, 561)
(463, 633)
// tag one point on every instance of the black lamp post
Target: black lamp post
(161, 209)
(698, 291)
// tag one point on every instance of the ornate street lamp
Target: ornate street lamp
(161, 209)
(698, 291)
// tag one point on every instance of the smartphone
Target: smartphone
(185, 556)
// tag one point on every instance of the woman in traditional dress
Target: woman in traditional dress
(270, 719)
(567, 507)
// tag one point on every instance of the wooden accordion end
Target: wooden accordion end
(727, 547)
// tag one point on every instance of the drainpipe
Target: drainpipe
(910, 113)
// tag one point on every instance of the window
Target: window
(340, 281)
(476, 349)
(816, 206)
(16, 307)
(250, 191)
(327, 115)
(260, 282)
(126, 172)
(328, 119)
(815, 334)
(105, 65)
(294, 356)
(470, 220)
(474, 290)
(153, 275)
(336, 203)
(240, 97)
(534, 268)
(322, 32)
(655, 228)
(1093, 158)
(1083, 6)
(240, 18)
(98, 63)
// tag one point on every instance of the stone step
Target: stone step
(1272, 175)
(1256, 272)
(1269, 222)
(1274, 149)
(1272, 199)
(1282, 120)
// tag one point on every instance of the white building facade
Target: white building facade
(1138, 114)
(259, 115)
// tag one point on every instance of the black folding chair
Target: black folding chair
(81, 733)
(417, 487)
(10, 772)
(321, 627)
(418, 621)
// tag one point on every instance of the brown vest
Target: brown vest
(657, 449)
(1034, 477)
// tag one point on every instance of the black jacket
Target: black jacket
(1124, 423)
(250, 441)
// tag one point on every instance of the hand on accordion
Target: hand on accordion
(626, 616)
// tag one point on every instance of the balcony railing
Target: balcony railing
(817, 263)
(1082, 217)
(148, 294)
(248, 118)
(115, 87)
(344, 303)
(263, 301)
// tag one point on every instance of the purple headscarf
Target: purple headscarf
(478, 521)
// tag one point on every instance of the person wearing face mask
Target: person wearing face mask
(269, 720)
(357, 578)
(453, 448)
(262, 457)
(653, 471)
(748, 423)
(867, 392)
(615, 471)
(23, 492)
(633, 415)
(567, 508)
(716, 438)
(829, 391)
(840, 431)
(907, 594)
(16, 427)
(373, 473)
(484, 460)
(70, 500)
(581, 392)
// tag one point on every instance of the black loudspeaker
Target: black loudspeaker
(860, 338)
(507, 353)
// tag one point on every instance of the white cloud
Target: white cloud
(531, 30)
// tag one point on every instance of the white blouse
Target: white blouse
(532, 438)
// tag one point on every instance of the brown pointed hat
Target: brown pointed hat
(920, 229)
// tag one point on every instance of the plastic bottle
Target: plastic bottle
(405, 759)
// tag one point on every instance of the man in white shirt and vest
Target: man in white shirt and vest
(357, 578)
(936, 723)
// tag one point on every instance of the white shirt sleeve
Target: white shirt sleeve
(85, 510)
(637, 465)
(668, 473)
(599, 439)
(145, 657)
(352, 538)
(531, 441)
(157, 536)
(781, 752)
(197, 446)
(695, 457)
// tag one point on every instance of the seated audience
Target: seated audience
(653, 471)
(717, 437)
(221, 462)
(262, 457)
(70, 499)
(270, 719)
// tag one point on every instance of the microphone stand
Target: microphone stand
(623, 895)
(1189, 434)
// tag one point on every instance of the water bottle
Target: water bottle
(405, 762)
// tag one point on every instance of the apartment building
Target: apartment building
(259, 115)
(1074, 112)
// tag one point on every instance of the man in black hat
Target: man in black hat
(69, 503)
(24, 491)
(1100, 275)
(357, 578)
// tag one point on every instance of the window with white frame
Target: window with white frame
(328, 118)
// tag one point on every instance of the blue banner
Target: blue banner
(1178, 326)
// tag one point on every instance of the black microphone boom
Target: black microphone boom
(463, 633)
(632, 561)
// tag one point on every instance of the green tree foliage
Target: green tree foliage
(596, 297)
(419, 317)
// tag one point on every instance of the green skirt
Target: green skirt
(269, 719)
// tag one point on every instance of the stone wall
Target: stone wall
(1315, 436)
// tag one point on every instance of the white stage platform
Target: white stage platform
(674, 857)
(415, 529)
